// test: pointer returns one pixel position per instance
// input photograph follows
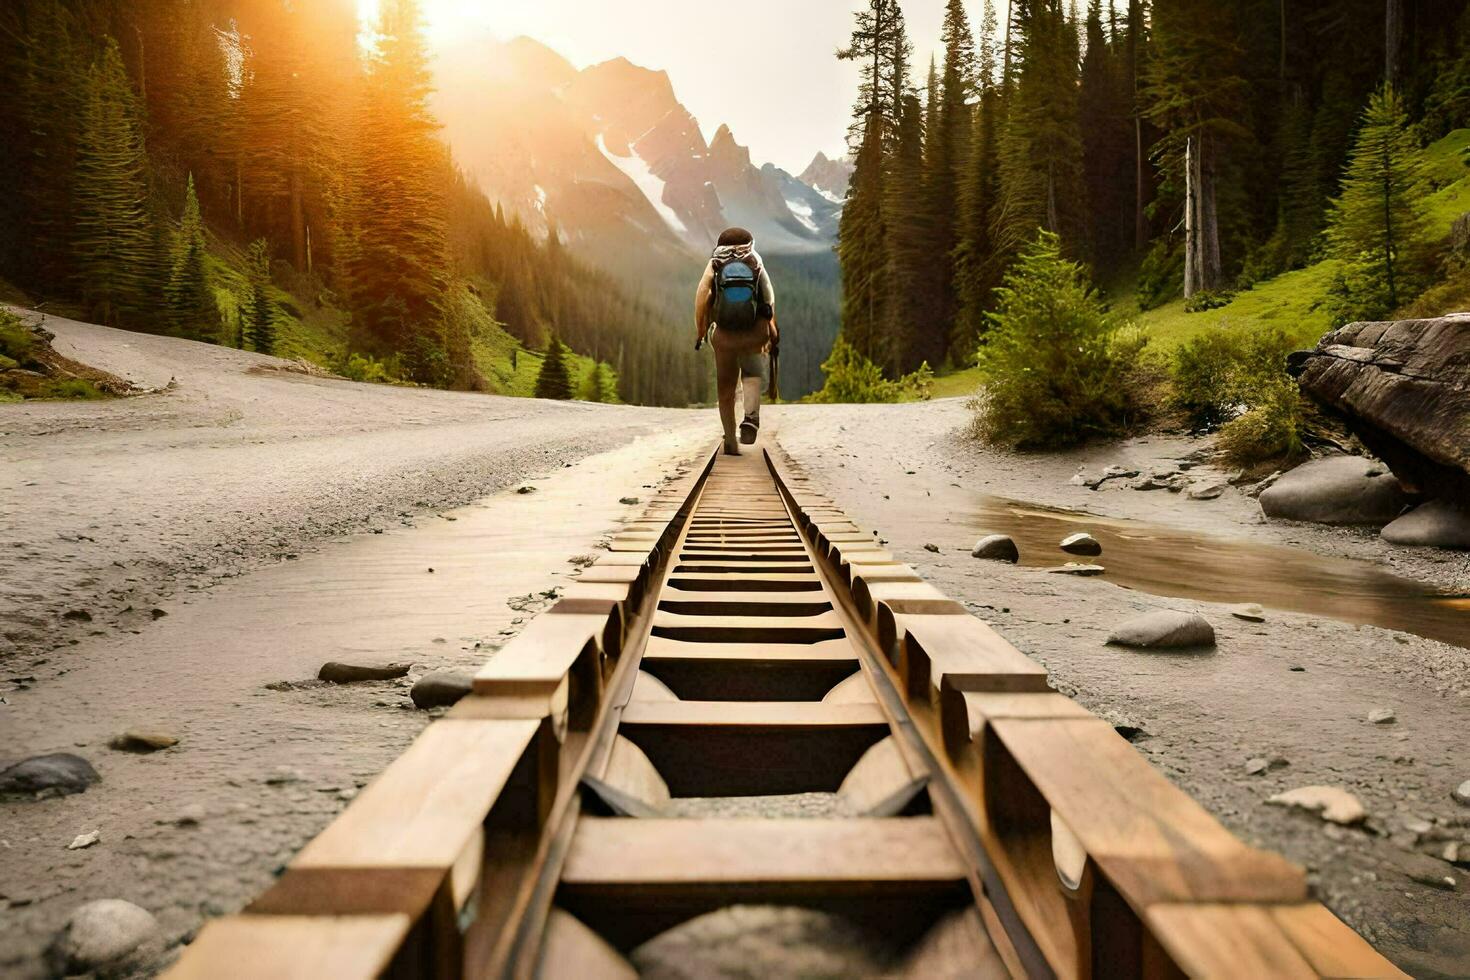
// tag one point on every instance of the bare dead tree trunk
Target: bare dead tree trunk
(1191, 224)
(1211, 273)
(1393, 40)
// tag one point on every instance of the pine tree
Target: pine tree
(974, 253)
(399, 262)
(1376, 226)
(908, 248)
(554, 381)
(259, 329)
(1195, 88)
(1103, 103)
(112, 247)
(949, 134)
(880, 45)
(190, 299)
(1040, 149)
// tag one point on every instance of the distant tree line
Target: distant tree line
(1197, 146)
(149, 142)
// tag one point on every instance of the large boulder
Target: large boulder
(1403, 387)
(1336, 490)
(1437, 524)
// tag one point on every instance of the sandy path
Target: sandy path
(279, 522)
(910, 472)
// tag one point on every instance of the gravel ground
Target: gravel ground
(274, 521)
(1297, 687)
(277, 520)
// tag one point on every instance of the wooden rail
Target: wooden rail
(744, 638)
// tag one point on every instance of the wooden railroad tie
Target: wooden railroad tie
(743, 638)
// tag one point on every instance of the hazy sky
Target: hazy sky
(765, 67)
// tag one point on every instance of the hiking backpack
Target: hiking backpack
(737, 295)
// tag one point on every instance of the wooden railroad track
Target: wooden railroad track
(743, 638)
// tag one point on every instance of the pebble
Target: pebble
(60, 772)
(1250, 612)
(191, 815)
(1208, 491)
(1461, 793)
(1256, 766)
(1076, 568)
(1381, 716)
(1081, 543)
(996, 547)
(1164, 629)
(82, 841)
(1334, 804)
(630, 501)
(77, 616)
(1444, 883)
(345, 673)
(525, 489)
(932, 547)
(143, 740)
(281, 775)
(107, 937)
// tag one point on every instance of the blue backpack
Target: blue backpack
(737, 298)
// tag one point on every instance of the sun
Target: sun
(442, 18)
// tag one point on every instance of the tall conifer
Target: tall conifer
(190, 299)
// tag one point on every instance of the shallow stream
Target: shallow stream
(1172, 562)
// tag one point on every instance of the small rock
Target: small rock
(1113, 472)
(191, 815)
(1453, 850)
(61, 773)
(1164, 629)
(281, 775)
(1461, 793)
(1076, 568)
(1437, 524)
(1381, 716)
(440, 689)
(77, 616)
(1081, 543)
(1256, 489)
(1417, 825)
(996, 547)
(1078, 479)
(143, 740)
(932, 547)
(1249, 611)
(1206, 491)
(1336, 805)
(157, 613)
(1256, 766)
(83, 841)
(1444, 883)
(630, 501)
(343, 673)
(526, 489)
(107, 937)
(1297, 670)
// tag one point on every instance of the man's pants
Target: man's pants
(740, 357)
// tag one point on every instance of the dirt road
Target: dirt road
(275, 522)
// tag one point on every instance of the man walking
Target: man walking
(735, 308)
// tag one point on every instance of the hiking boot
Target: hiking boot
(749, 429)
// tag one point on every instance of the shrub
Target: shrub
(365, 368)
(1054, 362)
(1208, 299)
(1272, 427)
(1236, 379)
(15, 338)
(1159, 276)
(1221, 373)
(853, 379)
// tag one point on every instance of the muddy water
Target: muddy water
(1172, 562)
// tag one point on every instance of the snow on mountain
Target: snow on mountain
(611, 156)
(652, 186)
(828, 177)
